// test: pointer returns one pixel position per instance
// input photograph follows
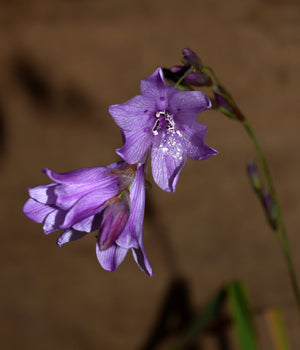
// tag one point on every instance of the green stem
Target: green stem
(281, 233)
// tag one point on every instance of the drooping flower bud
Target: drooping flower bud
(114, 220)
(191, 59)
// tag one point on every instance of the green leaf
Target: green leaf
(241, 316)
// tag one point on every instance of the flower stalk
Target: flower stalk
(228, 107)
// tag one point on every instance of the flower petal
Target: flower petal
(68, 195)
(136, 145)
(36, 211)
(168, 158)
(79, 176)
(43, 193)
(90, 204)
(141, 258)
(68, 236)
(111, 258)
(186, 105)
(134, 227)
(89, 224)
(194, 135)
(54, 221)
(152, 86)
(133, 114)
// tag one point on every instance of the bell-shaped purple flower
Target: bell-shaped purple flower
(164, 119)
(90, 199)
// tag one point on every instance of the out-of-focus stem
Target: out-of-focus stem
(281, 233)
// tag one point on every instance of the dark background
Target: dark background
(62, 63)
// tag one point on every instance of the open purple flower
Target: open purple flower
(163, 118)
(109, 199)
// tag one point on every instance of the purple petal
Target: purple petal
(36, 211)
(186, 105)
(90, 204)
(89, 224)
(134, 227)
(43, 193)
(194, 135)
(68, 236)
(133, 114)
(154, 87)
(68, 195)
(168, 158)
(54, 221)
(112, 257)
(79, 176)
(136, 145)
(141, 258)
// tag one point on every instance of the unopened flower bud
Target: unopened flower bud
(190, 58)
(254, 176)
(230, 109)
(198, 79)
(178, 69)
(114, 219)
(220, 100)
(270, 209)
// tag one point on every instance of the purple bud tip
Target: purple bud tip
(191, 59)
(178, 69)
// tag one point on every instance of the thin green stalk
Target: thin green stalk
(282, 230)
(281, 233)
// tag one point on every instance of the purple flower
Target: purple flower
(163, 118)
(109, 199)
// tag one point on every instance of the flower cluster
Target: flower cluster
(159, 124)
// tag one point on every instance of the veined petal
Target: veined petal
(151, 86)
(54, 221)
(168, 157)
(68, 236)
(134, 227)
(111, 258)
(154, 87)
(68, 195)
(90, 204)
(141, 259)
(79, 176)
(89, 224)
(136, 145)
(36, 211)
(133, 114)
(43, 193)
(186, 105)
(196, 148)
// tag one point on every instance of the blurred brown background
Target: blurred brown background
(62, 63)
